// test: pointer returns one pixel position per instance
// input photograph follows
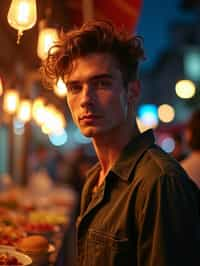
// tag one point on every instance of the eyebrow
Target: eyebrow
(106, 75)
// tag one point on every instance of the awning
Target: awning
(123, 13)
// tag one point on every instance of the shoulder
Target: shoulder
(158, 171)
(156, 164)
(163, 184)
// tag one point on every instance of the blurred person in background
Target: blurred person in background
(138, 206)
(192, 163)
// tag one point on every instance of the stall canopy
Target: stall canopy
(122, 12)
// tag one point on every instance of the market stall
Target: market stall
(34, 223)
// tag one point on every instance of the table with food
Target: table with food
(33, 225)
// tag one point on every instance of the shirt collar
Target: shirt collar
(131, 154)
(128, 158)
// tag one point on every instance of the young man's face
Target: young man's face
(96, 95)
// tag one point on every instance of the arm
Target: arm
(167, 223)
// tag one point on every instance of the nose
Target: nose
(87, 95)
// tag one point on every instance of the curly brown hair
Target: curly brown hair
(94, 37)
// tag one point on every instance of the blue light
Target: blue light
(59, 140)
(148, 114)
(168, 144)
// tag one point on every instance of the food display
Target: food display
(39, 228)
(6, 259)
(37, 247)
(34, 243)
(9, 235)
(48, 217)
(9, 200)
(12, 257)
(31, 234)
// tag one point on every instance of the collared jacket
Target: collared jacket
(144, 214)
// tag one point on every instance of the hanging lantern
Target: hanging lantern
(47, 38)
(10, 101)
(22, 15)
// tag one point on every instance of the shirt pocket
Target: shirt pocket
(105, 249)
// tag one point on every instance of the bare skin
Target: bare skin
(102, 107)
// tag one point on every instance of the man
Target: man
(192, 163)
(138, 207)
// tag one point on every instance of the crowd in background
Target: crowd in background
(67, 168)
(70, 167)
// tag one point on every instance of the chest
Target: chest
(106, 226)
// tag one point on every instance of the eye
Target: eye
(73, 87)
(104, 83)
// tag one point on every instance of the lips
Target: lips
(88, 117)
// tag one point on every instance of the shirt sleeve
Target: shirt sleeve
(167, 223)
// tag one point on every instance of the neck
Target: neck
(108, 147)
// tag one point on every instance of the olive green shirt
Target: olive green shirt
(144, 214)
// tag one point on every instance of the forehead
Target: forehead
(92, 64)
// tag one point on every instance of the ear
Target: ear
(133, 90)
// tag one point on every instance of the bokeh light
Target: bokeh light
(148, 115)
(166, 113)
(60, 88)
(185, 89)
(168, 144)
(59, 140)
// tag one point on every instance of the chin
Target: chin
(90, 132)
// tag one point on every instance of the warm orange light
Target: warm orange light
(22, 15)
(54, 121)
(47, 38)
(38, 110)
(10, 101)
(60, 88)
(166, 113)
(24, 111)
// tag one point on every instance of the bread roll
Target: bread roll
(35, 243)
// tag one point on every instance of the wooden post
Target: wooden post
(24, 154)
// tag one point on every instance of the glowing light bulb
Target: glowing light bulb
(22, 15)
